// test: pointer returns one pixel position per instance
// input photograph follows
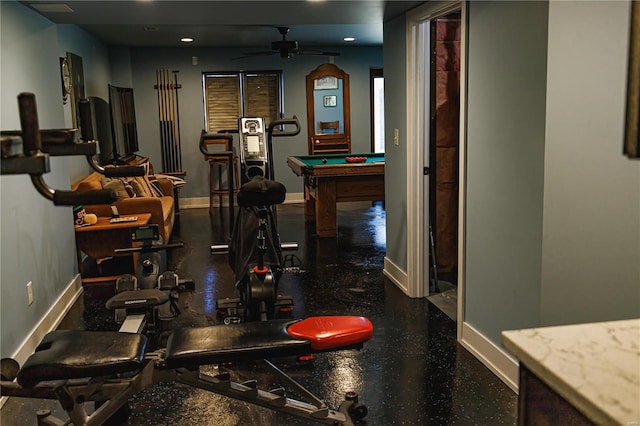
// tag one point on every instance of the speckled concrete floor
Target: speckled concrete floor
(412, 372)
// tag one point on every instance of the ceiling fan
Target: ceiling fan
(287, 48)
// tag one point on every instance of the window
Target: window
(377, 109)
(229, 96)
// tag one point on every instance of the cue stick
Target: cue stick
(178, 142)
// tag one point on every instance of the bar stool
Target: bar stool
(217, 159)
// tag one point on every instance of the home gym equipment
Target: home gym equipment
(142, 301)
(80, 368)
(255, 250)
(27, 151)
(152, 261)
(77, 367)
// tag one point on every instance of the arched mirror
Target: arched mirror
(328, 110)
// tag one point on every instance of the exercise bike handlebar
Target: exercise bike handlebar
(223, 136)
(284, 122)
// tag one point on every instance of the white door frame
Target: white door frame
(418, 56)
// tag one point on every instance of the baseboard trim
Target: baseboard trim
(294, 198)
(396, 275)
(49, 322)
(203, 202)
(494, 358)
(194, 203)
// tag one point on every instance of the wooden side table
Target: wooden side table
(102, 238)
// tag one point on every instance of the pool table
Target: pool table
(330, 179)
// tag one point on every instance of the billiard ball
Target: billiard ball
(324, 161)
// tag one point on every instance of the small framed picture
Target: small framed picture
(329, 101)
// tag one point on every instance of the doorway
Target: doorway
(434, 93)
(442, 160)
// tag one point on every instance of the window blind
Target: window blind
(229, 96)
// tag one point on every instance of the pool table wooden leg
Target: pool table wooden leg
(309, 205)
(326, 208)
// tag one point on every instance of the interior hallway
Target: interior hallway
(412, 372)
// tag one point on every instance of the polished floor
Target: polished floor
(412, 372)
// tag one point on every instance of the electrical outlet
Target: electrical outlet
(30, 292)
(395, 137)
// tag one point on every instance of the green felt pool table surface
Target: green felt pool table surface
(333, 159)
(336, 164)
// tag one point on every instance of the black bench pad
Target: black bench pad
(135, 299)
(72, 354)
(191, 347)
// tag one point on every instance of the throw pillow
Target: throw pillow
(116, 185)
(140, 188)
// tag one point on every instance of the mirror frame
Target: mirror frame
(328, 143)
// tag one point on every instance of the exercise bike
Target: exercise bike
(255, 251)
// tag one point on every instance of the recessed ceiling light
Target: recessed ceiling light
(186, 39)
(349, 39)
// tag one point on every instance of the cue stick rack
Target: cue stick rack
(167, 87)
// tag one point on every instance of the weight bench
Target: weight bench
(108, 367)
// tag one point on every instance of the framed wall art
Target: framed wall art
(329, 101)
(76, 70)
(632, 120)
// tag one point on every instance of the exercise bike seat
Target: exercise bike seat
(191, 347)
(74, 354)
(259, 192)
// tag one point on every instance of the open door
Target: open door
(444, 150)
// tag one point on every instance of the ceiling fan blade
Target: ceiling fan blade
(252, 54)
(316, 52)
(286, 48)
(261, 53)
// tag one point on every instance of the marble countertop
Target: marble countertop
(595, 367)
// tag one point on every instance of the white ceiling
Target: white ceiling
(239, 23)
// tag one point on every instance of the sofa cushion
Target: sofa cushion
(89, 185)
(129, 187)
(117, 185)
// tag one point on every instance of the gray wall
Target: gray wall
(505, 164)
(591, 232)
(553, 207)
(37, 238)
(395, 116)
(145, 61)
